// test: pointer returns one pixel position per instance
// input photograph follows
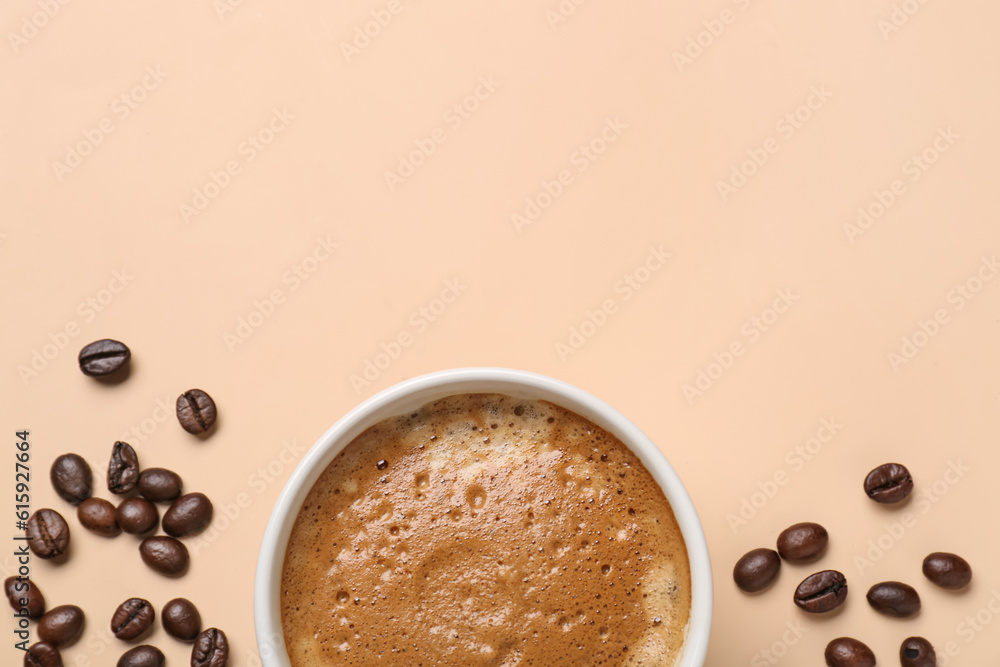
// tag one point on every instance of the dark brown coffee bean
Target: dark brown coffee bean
(889, 483)
(137, 516)
(821, 592)
(48, 534)
(123, 469)
(196, 411)
(181, 619)
(188, 515)
(756, 570)
(211, 649)
(98, 515)
(71, 478)
(104, 357)
(160, 485)
(802, 542)
(948, 570)
(142, 656)
(848, 652)
(917, 652)
(24, 594)
(894, 598)
(166, 555)
(61, 626)
(132, 618)
(42, 654)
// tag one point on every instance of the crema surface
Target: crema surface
(484, 530)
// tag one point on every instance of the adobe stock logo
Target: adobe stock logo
(455, 116)
(624, 289)
(585, 156)
(713, 29)
(87, 310)
(121, 108)
(248, 150)
(901, 14)
(913, 168)
(752, 330)
(31, 25)
(370, 30)
(786, 127)
(417, 323)
(957, 298)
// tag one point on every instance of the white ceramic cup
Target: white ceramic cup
(411, 394)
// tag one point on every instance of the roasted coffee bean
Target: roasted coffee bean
(848, 652)
(821, 592)
(756, 570)
(802, 542)
(160, 485)
(132, 618)
(211, 649)
(43, 654)
(166, 555)
(196, 411)
(48, 534)
(137, 516)
(142, 656)
(894, 598)
(123, 469)
(917, 652)
(948, 570)
(61, 626)
(23, 593)
(104, 357)
(71, 478)
(889, 483)
(98, 515)
(181, 619)
(188, 515)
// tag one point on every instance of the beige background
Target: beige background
(189, 284)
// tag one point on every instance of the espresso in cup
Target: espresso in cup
(483, 529)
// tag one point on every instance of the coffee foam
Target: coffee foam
(497, 532)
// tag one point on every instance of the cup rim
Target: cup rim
(412, 393)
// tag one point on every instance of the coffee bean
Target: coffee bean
(948, 570)
(137, 516)
(142, 656)
(889, 483)
(166, 555)
(181, 619)
(104, 357)
(23, 593)
(123, 469)
(894, 598)
(917, 652)
(211, 649)
(821, 592)
(802, 542)
(61, 626)
(42, 654)
(848, 652)
(160, 485)
(188, 515)
(756, 570)
(48, 534)
(132, 618)
(98, 515)
(196, 411)
(71, 478)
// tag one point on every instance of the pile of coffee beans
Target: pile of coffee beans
(825, 591)
(48, 535)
